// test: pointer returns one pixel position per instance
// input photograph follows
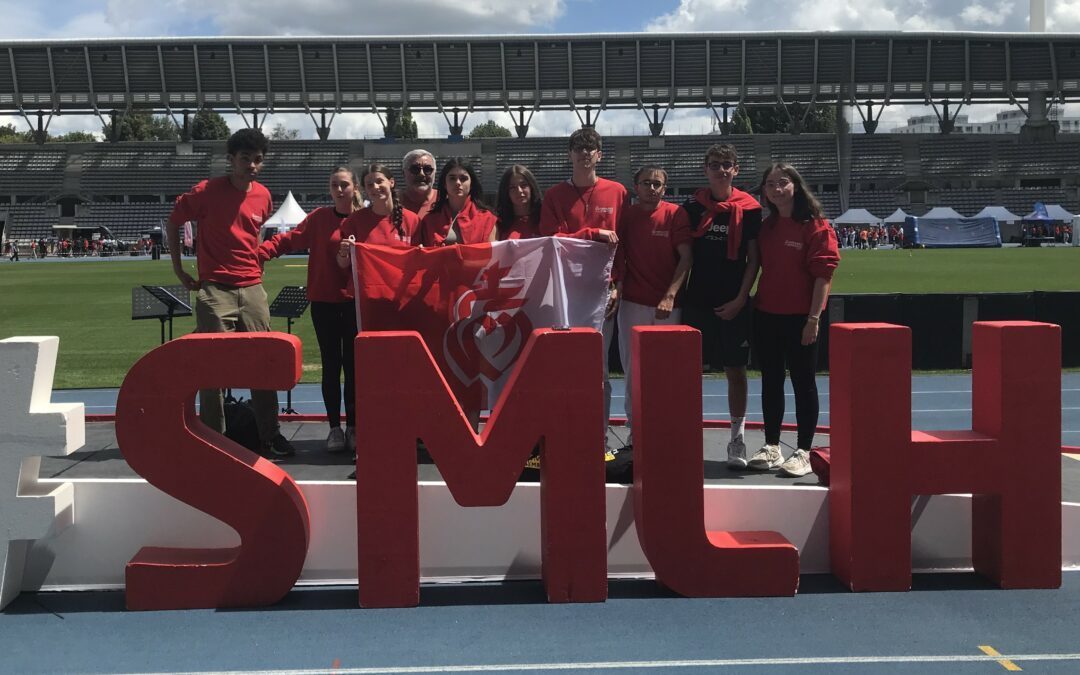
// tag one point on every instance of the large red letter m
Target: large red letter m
(554, 396)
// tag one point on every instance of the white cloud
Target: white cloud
(978, 13)
(1063, 16)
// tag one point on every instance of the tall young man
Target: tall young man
(229, 211)
(420, 194)
(652, 263)
(725, 222)
(587, 207)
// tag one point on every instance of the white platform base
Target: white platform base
(115, 518)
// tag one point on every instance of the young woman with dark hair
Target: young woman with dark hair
(332, 313)
(518, 204)
(459, 215)
(798, 256)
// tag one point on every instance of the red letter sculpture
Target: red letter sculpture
(165, 443)
(1010, 460)
(669, 505)
(554, 396)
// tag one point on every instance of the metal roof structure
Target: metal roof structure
(533, 72)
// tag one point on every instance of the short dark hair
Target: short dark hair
(723, 151)
(247, 140)
(586, 138)
(647, 168)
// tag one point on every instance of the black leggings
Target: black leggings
(777, 345)
(335, 328)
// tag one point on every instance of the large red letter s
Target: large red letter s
(165, 443)
(554, 394)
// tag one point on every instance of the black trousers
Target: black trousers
(777, 345)
(335, 328)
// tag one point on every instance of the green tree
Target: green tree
(400, 124)
(9, 134)
(489, 129)
(282, 133)
(141, 126)
(774, 119)
(74, 137)
(208, 125)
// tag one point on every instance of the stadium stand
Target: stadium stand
(957, 156)
(142, 169)
(30, 171)
(815, 156)
(874, 158)
(682, 158)
(31, 221)
(1051, 160)
(879, 203)
(302, 166)
(126, 221)
(967, 202)
(546, 158)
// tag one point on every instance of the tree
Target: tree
(141, 126)
(489, 129)
(775, 119)
(282, 133)
(74, 137)
(9, 134)
(400, 124)
(208, 125)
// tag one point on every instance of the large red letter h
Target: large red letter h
(1010, 460)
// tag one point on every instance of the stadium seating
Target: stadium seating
(967, 202)
(126, 221)
(30, 171)
(142, 169)
(874, 158)
(302, 166)
(815, 156)
(957, 156)
(31, 221)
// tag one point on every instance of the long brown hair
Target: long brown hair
(806, 206)
(504, 206)
(476, 190)
(358, 189)
(395, 212)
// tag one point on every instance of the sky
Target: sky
(179, 18)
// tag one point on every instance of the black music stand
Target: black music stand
(289, 304)
(159, 302)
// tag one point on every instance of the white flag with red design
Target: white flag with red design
(476, 305)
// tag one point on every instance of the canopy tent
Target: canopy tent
(857, 217)
(998, 213)
(1052, 212)
(942, 212)
(286, 217)
(898, 216)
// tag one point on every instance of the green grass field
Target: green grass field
(88, 304)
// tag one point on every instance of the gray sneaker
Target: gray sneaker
(335, 442)
(797, 465)
(768, 457)
(736, 453)
(350, 439)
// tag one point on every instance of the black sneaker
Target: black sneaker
(278, 447)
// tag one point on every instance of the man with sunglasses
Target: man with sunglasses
(725, 222)
(420, 194)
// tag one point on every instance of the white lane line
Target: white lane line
(623, 665)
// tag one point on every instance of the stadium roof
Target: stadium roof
(531, 72)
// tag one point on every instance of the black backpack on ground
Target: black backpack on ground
(240, 424)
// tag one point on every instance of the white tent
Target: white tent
(998, 213)
(897, 216)
(1056, 212)
(942, 212)
(286, 217)
(857, 217)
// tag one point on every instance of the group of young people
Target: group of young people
(697, 263)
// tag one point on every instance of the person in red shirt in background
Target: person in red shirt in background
(419, 195)
(653, 261)
(332, 313)
(518, 205)
(230, 211)
(459, 215)
(588, 207)
(798, 257)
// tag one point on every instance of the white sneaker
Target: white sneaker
(768, 457)
(736, 453)
(335, 442)
(797, 465)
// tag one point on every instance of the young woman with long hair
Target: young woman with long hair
(518, 204)
(459, 215)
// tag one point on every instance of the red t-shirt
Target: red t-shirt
(793, 255)
(320, 233)
(421, 209)
(475, 225)
(522, 227)
(647, 256)
(228, 228)
(570, 211)
(371, 228)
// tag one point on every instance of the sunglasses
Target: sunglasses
(417, 169)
